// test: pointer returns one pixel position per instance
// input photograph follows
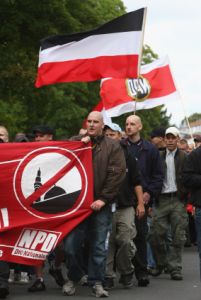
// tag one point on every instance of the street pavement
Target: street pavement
(161, 287)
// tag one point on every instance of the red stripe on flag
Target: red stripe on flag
(81, 69)
(161, 82)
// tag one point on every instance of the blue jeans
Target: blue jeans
(198, 230)
(150, 259)
(95, 230)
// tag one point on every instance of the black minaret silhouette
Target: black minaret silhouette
(37, 182)
(55, 200)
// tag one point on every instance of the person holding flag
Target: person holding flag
(109, 169)
(4, 266)
(45, 133)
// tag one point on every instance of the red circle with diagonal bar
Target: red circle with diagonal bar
(50, 182)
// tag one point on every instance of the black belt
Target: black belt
(169, 195)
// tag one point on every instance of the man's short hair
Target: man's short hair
(158, 132)
(197, 138)
(20, 138)
(44, 129)
(183, 141)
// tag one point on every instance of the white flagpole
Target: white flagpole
(187, 120)
(184, 107)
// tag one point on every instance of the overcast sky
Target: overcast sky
(173, 28)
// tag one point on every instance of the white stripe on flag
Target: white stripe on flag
(158, 63)
(111, 44)
(147, 104)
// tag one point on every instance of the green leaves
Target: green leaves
(63, 106)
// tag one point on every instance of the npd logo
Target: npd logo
(35, 244)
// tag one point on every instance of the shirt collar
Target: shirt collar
(138, 143)
(171, 152)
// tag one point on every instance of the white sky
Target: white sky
(173, 28)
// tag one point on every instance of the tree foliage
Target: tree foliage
(192, 118)
(63, 106)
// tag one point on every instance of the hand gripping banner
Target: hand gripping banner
(46, 189)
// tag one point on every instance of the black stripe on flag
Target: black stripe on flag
(132, 21)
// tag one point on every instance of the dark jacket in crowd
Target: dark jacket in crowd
(109, 167)
(127, 197)
(179, 160)
(150, 166)
(191, 176)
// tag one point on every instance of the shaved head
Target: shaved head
(95, 123)
(96, 114)
(133, 127)
(135, 119)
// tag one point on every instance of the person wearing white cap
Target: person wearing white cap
(113, 131)
(170, 210)
(172, 130)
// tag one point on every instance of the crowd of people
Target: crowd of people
(141, 218)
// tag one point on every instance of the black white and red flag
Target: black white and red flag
(155, 86)
(111, 50)
(46, 189)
